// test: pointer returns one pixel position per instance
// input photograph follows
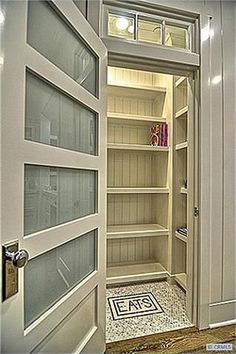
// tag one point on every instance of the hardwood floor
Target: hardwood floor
(187, 340)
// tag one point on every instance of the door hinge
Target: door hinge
(196, 211)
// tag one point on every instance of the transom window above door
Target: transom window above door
(154, 28)
(151, 30)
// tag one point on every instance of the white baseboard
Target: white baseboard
(222, 313)
(221, 324)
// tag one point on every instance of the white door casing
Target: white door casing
(76, 322)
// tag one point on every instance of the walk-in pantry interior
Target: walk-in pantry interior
(149, 180)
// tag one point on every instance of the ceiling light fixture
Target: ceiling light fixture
(131, 29)
(122, 23)
(1, 17)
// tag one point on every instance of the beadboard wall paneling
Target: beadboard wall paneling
(179, 256)
(181, 96)
(128, 209)
(137, 168)
(139, 78)
(134, 105)
(136, 250)
(161, 250)
(129, 133)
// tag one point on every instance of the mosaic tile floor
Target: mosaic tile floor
(170, 297)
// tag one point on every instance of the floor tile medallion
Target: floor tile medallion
(143, 309)
(128, 306)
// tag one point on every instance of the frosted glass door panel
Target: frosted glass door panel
(53, 196)
(54, 39)
(48, 277)
(53, 118)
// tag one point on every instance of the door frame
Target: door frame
(141, 63)
(18, 55)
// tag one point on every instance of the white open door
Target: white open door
(53, 180)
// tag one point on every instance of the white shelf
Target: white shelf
(182, 113)
(181, 237)
(183, 190)
(180, 81)
(132, 117)
(136, 272)
(181, 279)
(131, 190)
(137, 230)
(134, 90)
(181, 146)
(137, 147)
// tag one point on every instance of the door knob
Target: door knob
(12, 260)
(19, 258)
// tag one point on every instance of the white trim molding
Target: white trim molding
(221, 324)
(222, 313)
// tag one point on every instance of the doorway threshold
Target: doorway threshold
(186, 340)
